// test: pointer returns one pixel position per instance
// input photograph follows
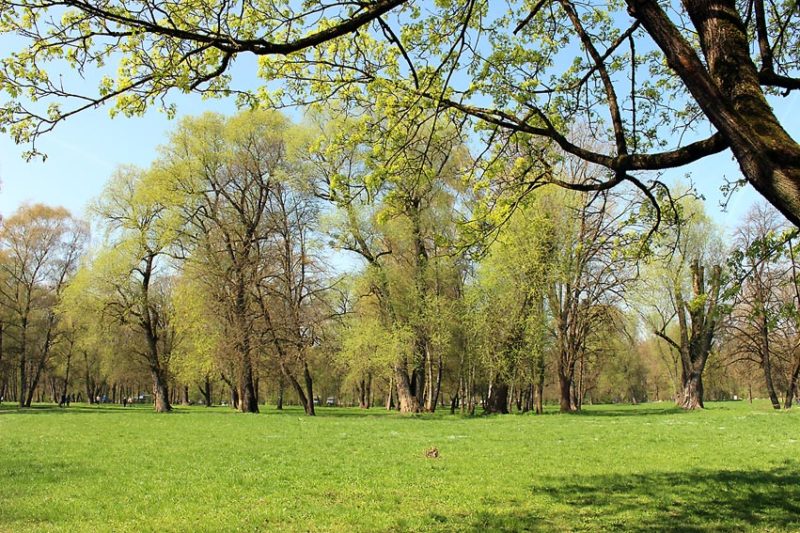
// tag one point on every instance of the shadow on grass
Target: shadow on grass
(763, 500)
(78, 409)
(610, 412)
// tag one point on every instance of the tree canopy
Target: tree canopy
(655, 86)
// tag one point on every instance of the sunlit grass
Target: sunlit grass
(86, 468)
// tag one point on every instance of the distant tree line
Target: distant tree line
(257, 260)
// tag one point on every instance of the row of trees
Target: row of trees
(212, 275)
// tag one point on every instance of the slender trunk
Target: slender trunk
(792, 389)
(538, 394)
(298, 389)
(766, 361)
(390, 394)
(309, 404)
(66, 369)
(281, 386)
(23, 362)
(437, 385)
(234, 397)
(205, 390)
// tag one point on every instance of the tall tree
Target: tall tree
(128, 280)
(246, 228)
(685, 295)
(42, 247)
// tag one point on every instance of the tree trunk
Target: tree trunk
(298, 389)
(693, 392)
(234, 397)
(437, 388)
(248, 401)
(160, 391)
(565, 390)
(497, 402)
(281, 386)
(792, 389)
(205, 390)
(405, 398)
(309, 404)
(390, 394)
(23, 362)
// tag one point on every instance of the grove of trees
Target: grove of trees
(257, 261)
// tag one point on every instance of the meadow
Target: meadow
(731, 467)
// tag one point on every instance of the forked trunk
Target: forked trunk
(791, 392)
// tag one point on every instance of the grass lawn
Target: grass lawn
(732, 467)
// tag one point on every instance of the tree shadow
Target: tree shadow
(631, 411)
(727, 500)
(80, 409)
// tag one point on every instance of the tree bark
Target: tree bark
(406, 400)
(160, 391)
(693, 392)
(729, 92)
(205, 390)
(497, 402)
(309, 406)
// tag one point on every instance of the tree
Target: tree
(395, 196)
(42, 246)
(129, 280)
(510, 292)
(245, 235)
(754, 321)
(685, 287)
(643, 74)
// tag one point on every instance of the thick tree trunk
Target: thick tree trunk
(565, 394)
(160, 391)
(248, 400)
(728, 90)
(497, 402)
(693, 392)
(406, 400)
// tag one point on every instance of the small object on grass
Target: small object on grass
(432, 453)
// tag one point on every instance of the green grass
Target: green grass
(732, 467)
